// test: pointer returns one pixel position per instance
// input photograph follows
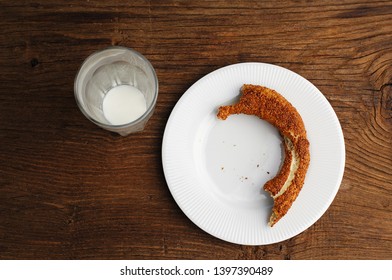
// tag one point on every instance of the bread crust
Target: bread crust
(269, 105)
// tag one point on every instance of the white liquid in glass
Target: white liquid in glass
(123, 104)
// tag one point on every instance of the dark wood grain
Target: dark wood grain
(70, 190)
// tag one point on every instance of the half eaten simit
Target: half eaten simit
(269, 105)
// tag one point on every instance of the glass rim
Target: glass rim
(117, 126)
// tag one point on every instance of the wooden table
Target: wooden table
(70, 190)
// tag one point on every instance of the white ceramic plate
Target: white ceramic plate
(216, 169)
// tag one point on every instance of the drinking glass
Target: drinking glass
(106, 70)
